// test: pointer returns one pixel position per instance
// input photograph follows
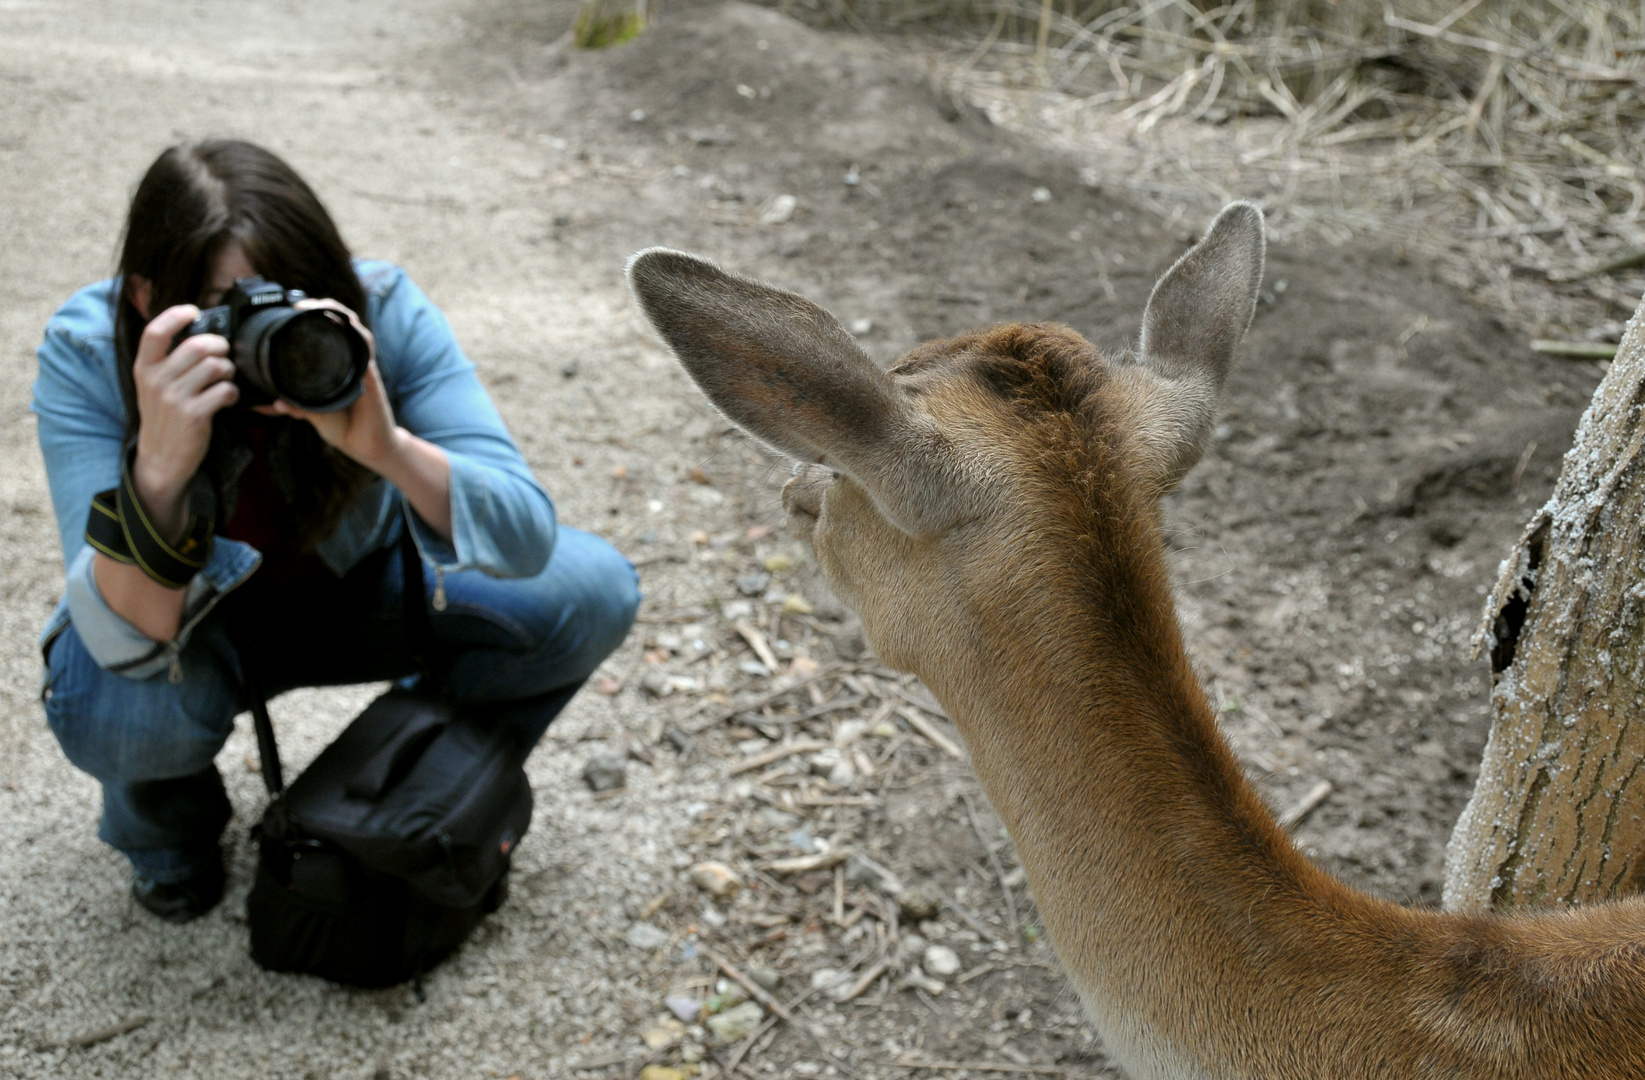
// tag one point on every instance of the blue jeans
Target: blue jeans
(523, 646)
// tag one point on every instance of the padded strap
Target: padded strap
(119, 527)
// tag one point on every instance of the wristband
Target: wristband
(119, 527)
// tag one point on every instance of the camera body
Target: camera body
(313, 358)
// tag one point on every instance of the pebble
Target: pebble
(716, 878)
(737, 1024)
(753, 584)
(683, 1006)
(776, 564)
(765, 978)
(918, 904)
(606, 772)
(795, 604)
(823, 978)
(941, 961)
(643, 935)
(656, 682)
(663, 1072)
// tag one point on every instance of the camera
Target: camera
(313, 358)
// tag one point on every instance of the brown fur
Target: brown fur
(1039, 613)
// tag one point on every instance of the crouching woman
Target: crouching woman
(280, 526)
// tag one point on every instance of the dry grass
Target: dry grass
(1507, 134)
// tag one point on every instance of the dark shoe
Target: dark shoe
(180, 901)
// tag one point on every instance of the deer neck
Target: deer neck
(1158, 871)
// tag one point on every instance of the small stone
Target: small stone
(862, 327)
(659, 1038)
(655, 682)
(795, 604)
(691, 1052)
(823, 978)
(918, 904)
(643, 935)
(885, 729)
(765, 978)
(716, 878)
(681, 742)
(618, 472)
(753, 584)
(843, 774)
(606, 772)
(683, 1006)
(849, 732)
(941, 961)
(663, 1072)
(569, 369)
(1041, 195)
(778, 563)
(735, 1025)
(608, 686)
(824, 762)
(698, 476)
(779, 209)
(911, 946)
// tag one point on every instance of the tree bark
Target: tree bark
(1558, 813)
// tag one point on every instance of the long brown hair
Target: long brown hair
(194, 200)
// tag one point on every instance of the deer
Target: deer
(990, 507)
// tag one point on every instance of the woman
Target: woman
(302, 583)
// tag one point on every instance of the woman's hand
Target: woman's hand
(179, 391)
(366, 432)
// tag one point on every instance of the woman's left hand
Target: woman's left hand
(366, 430)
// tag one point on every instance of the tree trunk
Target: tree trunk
(1558, 814)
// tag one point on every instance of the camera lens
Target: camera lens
(311, 360)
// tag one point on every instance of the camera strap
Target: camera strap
(120, 528)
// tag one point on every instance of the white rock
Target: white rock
(716, 878)
(941, 961)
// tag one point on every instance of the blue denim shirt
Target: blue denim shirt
(502, 521)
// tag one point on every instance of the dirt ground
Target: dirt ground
(1384, 437)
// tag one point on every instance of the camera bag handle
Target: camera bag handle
(419, 635)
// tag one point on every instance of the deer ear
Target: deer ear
(1195, 318)
(1203, 305)
(788, 373)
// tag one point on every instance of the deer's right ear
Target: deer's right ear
(787, 372)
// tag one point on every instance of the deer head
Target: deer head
(907, 475)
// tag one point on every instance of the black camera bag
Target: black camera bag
(383, 855)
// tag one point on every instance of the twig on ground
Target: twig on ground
(764, 699)
(977, 1066)
(1306, 805)
(1578, 350)
(993, 861)
(104, 1034)
(971, 920)
(777, 753)
(926, 728)
(861, 986)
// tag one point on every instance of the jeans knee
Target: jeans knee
(120, 729)
(612, 600)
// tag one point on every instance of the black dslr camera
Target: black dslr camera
(313, 358)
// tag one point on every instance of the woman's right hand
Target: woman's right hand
(179, 391)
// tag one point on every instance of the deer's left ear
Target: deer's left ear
(1196, 316)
